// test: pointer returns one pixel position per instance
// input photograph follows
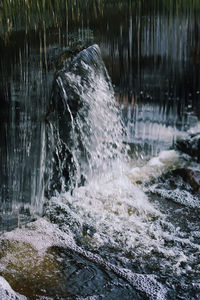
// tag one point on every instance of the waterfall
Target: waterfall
(81, 136)
(24, 160)
(89, 132)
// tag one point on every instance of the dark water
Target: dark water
(152, 53)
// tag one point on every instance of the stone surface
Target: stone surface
(192, 177)
(75, 101)
(182, 186)
(182, 178)
(190, 146)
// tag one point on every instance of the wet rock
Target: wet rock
(28, 260)
(182, 186)
(191, 177)
(75, 102)
(29, 272)
(58, 58)
(187, 179)
(190, 146)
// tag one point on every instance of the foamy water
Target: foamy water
(7, 293)
(113, 212)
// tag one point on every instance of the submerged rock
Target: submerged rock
(190, 146)
(28, 271)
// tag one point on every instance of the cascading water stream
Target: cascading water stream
(88, 118)
(23, 152)
(100, 236)
(98, 199)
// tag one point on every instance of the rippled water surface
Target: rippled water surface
(110, 219)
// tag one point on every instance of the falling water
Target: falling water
(95, 201)
(84, 99)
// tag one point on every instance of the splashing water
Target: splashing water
(107, 226)
(89, 120)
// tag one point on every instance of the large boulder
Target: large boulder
(83, 104)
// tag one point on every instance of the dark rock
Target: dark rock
(190, 146)
(70, 110)
(181, 186)
(59, 58)
(191, 177)
(184, 179)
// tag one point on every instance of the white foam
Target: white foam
(155, 162)
(179, 196)
(168, 156)
(165, 161)
(118, 211)
(40, 234)
(7, 293)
